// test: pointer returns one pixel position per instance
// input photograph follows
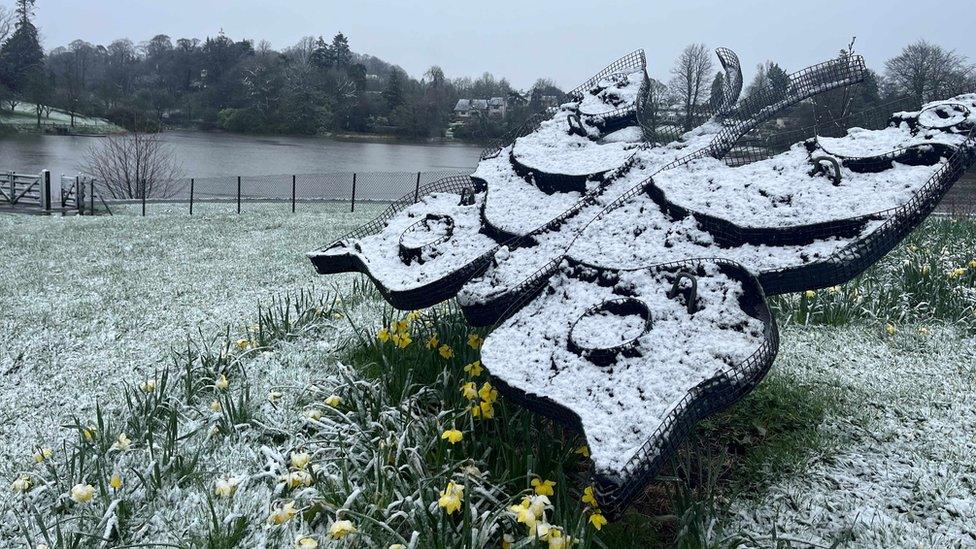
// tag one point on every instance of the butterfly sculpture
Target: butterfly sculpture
(623, 257)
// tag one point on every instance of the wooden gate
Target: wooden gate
(26, 191)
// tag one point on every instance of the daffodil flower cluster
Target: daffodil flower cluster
(482, 400)
(596, 515)
(531, 513)
(399, 333)
(298, 476)
(451, 498)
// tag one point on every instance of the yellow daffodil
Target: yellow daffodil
(475, 411)
(452, 435)
(524, 515)
(433, 342)
(543, 530)
(925, 270)
(488, 393)
(401, 339)
(148, 386)
(296, 479)
(115, 481)
(412, 316)
(274, 396)
(89, 432)
(215, 405)
(560, 542)
(597, 519)
(243, 344)
(890, 329)
(283, 514)
(313, 414)
(507, 541)
(300, 460)
(474, 369)
(469, 390)
(446, 351)
(334, 400)
(383, 335)
(21, 484)
(42, 454)
(537, 504)
(475, 341)
(402, 326)
(487, 410)
(451, 498)
(588, 497)
(543, 487)
(82, 493)
(972, 264)
(122, 443)
(810, 294)
(306, 542)
(225, 487)
(222, 383)
(341, 529)
(957, 273)
(583, 450)
(923, 330)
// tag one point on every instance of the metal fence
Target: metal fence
(292, 191)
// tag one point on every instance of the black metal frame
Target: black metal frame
(707, 398)
(735, 381)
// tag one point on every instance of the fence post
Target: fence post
(79, 195)
(143, 193)
(46, 190)
(416, 192)
(352, 206)
(91, 196)
(191, 196)
(293, 194)
(238, 194)
(13, 186)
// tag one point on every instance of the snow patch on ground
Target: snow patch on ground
(905, 476)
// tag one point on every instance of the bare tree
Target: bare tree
(8, 19)
(134, 165)
(925, 72)
(692, 78)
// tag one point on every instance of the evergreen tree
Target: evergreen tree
(394, 89)
(21, 55)
(341, 54)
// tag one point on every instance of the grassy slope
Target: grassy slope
(24, 116)
(91, 303)
(818, 451)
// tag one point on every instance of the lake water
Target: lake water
(206, 154)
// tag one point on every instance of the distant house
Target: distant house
(496, 107)
(549, 101)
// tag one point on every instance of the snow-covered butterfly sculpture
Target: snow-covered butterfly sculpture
(625, 277)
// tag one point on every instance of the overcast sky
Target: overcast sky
(522, 40)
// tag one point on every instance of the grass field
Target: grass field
(128, 326)
(24, 117)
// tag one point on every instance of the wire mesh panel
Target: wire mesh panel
(710, 396)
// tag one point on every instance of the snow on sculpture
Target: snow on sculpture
(624, 277)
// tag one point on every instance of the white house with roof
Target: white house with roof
(495, 107)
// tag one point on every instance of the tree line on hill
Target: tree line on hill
(322, 86)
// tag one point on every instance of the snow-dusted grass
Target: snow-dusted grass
(24, 114)
(91, 302)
